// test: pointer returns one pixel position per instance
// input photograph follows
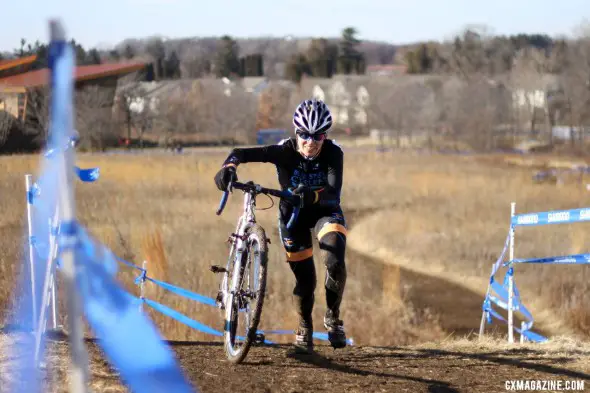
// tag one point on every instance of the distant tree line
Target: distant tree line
(173, 59)
(486, 54)
(83, 56)
(324, 59)
(228, 62)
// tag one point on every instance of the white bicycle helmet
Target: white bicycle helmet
(312, 116)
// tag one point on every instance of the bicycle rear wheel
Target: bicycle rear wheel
(247, 298)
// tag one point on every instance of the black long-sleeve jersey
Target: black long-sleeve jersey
(323, 174)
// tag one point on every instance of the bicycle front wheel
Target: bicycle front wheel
(244, 302)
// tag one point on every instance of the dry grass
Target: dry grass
(577, 351)
(452, 222)
(437, 213)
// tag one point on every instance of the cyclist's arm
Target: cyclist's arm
(330, 194)
(271, 153)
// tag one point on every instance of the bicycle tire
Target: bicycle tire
(256, 234)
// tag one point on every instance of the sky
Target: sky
(105, 23)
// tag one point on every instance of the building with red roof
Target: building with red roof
(20, 82)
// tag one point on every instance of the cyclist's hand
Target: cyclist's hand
(225, 176)
(306, 194)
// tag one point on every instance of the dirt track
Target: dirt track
(360, 369)
(425, 368)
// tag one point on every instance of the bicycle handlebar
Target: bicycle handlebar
(295, 200)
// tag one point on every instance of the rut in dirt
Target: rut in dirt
(457, 309)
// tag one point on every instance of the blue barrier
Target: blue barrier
(89, 268)
(143, 276)
(552, 217)
(506, 295)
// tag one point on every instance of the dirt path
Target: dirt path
(456, 304)
(360, 369)
(455, 298)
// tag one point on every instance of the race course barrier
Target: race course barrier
(506, 295)
(86, 267)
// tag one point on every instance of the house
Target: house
(20, 83)
(151, 96)
(347, 96)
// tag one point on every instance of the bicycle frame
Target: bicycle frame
(238, 245)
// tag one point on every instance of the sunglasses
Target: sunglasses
(307, 136)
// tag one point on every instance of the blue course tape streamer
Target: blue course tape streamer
(498, 295)
(182, 318)
(577, 259)
(201, 299)
(122, 330)
(87, 175)
(184, 293)
(501, 300)
(188, 321)
(552, 217)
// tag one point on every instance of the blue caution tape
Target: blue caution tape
(188, 321)
(122, 330)
(87, 175)
(184, 293)
(498, 294)
(201, 299)
(577, 259)
(182, 318)
(500, 299)
(33, 193)
(498, 262)
(552, 217)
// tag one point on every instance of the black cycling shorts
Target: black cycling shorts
(298, 240)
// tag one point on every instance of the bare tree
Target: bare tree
(473, 114)
(273, 106)
(229, 116)
(94, 117)
(210, 111)
(575, 83)
(195, 64)
(527, 80)
(177, 116)
(398, 108)
(37, 112)
(136, 111)
(467, 56)
(7, 121)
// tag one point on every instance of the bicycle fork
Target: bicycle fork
(234, 265)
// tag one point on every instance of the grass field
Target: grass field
(444, 215)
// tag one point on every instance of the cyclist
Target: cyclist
(311, 166)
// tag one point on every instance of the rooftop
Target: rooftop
(40, 78)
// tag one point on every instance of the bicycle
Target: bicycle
(247, 269)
